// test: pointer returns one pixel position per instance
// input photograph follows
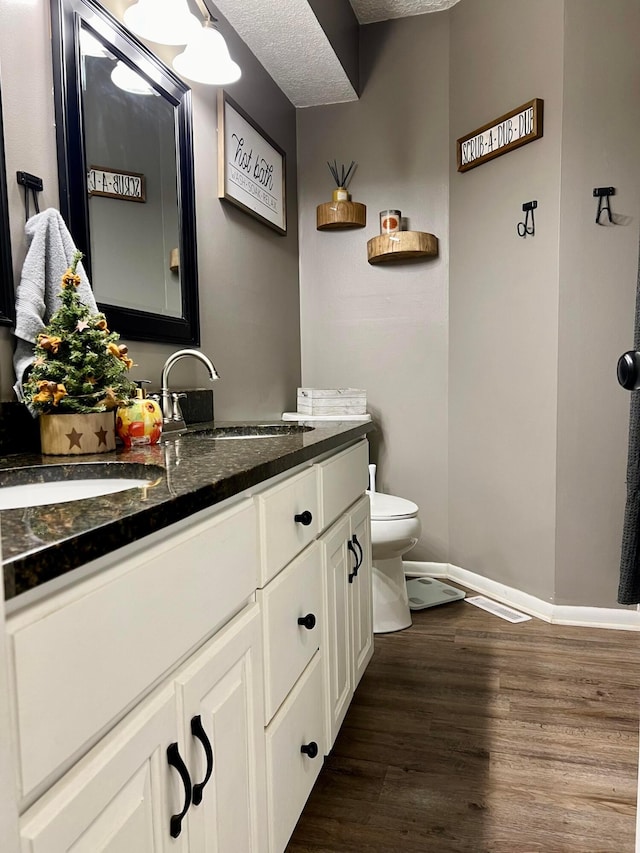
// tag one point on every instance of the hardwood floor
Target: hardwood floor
(469, 734)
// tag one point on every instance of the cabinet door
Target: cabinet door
(223, 687)
(119, 797)
(338, 565)
(361, 593)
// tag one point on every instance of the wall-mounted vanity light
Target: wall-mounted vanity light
(205, 58)
(161, 21)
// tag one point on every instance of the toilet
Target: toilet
(395, 529)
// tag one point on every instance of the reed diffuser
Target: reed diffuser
(341, 212)
(342, 177)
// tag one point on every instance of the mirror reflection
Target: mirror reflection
(7, 301)
(125, 165)
(132, 184)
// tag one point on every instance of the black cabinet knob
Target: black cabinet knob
(303, 518)
(309, 621)
(310, 749)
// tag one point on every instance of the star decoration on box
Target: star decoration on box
(101, 435)
(74, 438)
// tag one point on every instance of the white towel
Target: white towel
(49, 254)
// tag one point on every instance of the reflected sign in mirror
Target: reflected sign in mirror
(125, 167)
(7, 298)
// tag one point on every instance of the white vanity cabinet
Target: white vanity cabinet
(182, 698)
(124, 796)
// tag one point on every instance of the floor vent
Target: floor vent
(497, 609)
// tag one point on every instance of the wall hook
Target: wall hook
(602, 194)
(525, 228)
(33, 183)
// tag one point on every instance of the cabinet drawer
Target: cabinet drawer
(294, 594)
(78, 666)
(342, 480)
(291, 774)
(281, 536)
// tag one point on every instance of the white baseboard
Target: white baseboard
(557, 614)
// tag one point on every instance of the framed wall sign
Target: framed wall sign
(516, 128)
(111, 183)
(251, 166)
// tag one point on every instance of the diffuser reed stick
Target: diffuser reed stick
(341, 177)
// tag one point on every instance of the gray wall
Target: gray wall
(598, 267)
(503, 294)
(384, 328)
(249, 299)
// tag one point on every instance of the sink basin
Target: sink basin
(52, 484)
(254, 431)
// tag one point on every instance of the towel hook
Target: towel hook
(604, 204)
(30, 183)
(523, 227)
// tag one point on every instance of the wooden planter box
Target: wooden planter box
(73, 435)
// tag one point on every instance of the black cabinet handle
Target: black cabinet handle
(303, 518)
(309, 621)
(175, 760)
(354, 539)
(310, 749)
(197, 730)
(354, 573)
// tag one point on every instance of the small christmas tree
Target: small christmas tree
(79, 367)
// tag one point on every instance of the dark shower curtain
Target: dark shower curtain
(629, 588)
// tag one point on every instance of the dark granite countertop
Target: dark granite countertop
(188, 474)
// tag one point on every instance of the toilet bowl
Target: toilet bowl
(395, 529)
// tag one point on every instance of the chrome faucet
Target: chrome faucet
(173, 420)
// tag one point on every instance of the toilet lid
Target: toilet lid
(389, 506)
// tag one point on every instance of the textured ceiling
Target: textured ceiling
(368, 11)
(287, 39)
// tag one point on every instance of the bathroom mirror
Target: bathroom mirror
(125, 170)
(7, 299)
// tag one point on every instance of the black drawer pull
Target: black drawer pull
(197, 730)
(175, 760)
(303, 518)
(309, 621)
(310, 749)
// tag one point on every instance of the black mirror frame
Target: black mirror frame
(7, 295)
(66, 19)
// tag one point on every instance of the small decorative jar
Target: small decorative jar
(389, 221)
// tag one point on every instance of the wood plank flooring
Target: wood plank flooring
(469, 734)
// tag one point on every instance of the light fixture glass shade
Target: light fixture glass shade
(162, 21)
(128, 80)
(91, 46)
(206, 58)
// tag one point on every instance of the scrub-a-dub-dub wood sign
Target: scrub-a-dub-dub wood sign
(516, 128)
(251, 166)
(112, 183)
